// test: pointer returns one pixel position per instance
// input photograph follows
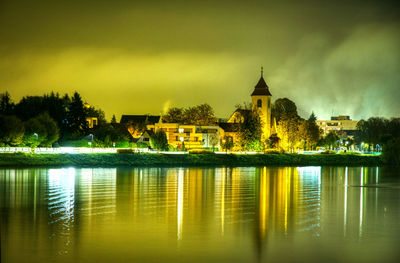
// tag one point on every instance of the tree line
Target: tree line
(380, 133)
(52, 119)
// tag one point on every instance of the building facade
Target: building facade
(188, 136)
(342, 125)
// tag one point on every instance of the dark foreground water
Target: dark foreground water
(286, 214)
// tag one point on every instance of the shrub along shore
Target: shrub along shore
(153, 159)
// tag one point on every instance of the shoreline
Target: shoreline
(170, 160)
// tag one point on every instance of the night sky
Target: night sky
(138, 57)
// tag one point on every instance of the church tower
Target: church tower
(261, 100)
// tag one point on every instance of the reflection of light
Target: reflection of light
(61, 186)
(311, 172)
(86, 175)
(62, 177)
(180, 203)
(264, 194)
(61, 201)
(345, 198)
(361, 199)
(377, 175)
(223, 201)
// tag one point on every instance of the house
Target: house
(342, 125)
(188, 136)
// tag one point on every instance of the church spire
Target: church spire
(261, 88)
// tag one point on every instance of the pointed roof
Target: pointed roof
(261, 88)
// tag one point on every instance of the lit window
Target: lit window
(180, 130)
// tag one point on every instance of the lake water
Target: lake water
(255, 214)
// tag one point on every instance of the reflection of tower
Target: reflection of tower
(179, 213)
(287, 200)
(261, 101)
(262, 209)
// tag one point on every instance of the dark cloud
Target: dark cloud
(136, 56)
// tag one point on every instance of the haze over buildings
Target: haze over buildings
(138, 57)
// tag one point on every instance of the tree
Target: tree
(174, 115)
(35, 133)
(11, 131)
(29, 107)
(6, 104)
(312, 117)
(227, 143)
(249, 138)
(391, 143)
(106, 134)
(284, 111)
(113, 119)
(41, 130)
(198, 115)
(309, 132)
(189, 115)
(52, 130)
(273, 141)
(331, 140)
(77, 115)
(204, 115)
(372, 131)
(391, 151)
(283, 106)
(159, 141)
(288, 131)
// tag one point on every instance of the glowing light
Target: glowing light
(264, 195)
(361, 199)
(180, 203)
(312, 172)
(223, 201)
(345, 198)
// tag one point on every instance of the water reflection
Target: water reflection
(201, 214)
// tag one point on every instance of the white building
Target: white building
(342, 125)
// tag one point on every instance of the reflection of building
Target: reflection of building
(342, 125)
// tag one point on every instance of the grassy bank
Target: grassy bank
(108, 160)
